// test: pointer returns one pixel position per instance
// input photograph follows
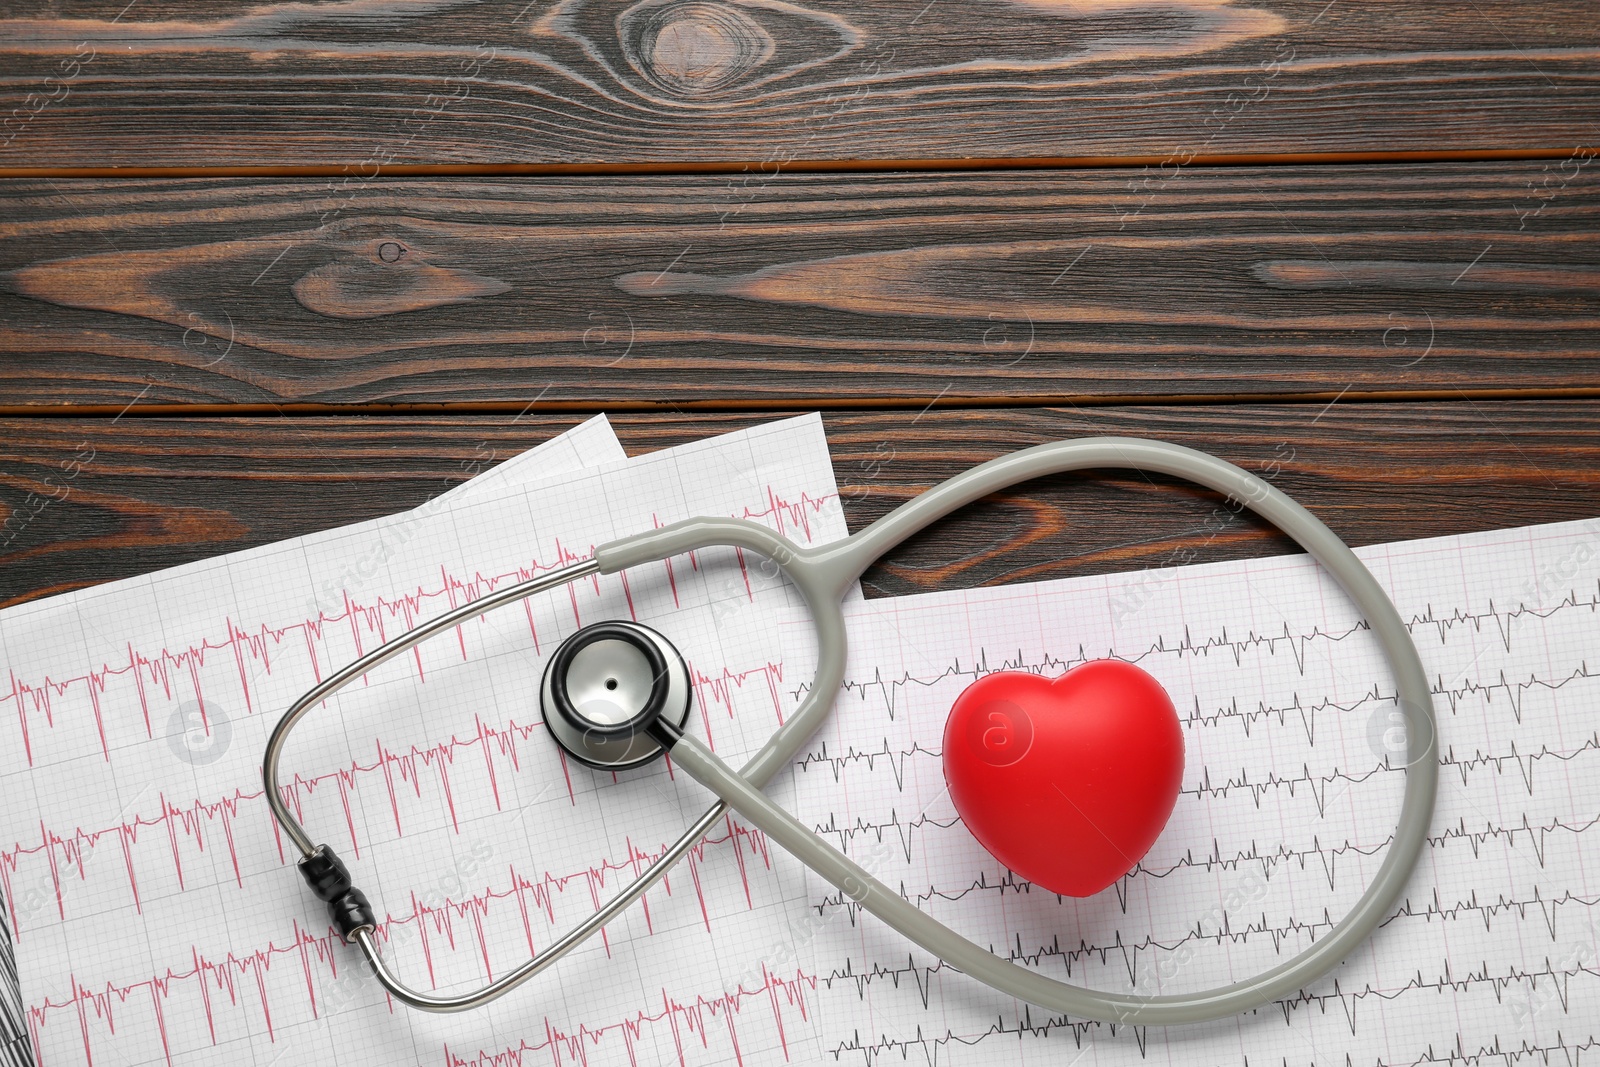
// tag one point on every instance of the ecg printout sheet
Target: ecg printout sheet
(1288, 803)
(590, 443)
(157, 915)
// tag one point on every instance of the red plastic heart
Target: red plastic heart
(1066, 782)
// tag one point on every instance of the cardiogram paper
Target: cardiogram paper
(157, 914)
(590, 443)
(1291, 789)
(745, 958)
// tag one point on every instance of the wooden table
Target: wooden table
(271, 268)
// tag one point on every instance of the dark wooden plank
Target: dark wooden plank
(804, 290)
(159, 492)
(364, 82)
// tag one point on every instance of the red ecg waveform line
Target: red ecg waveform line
(256, 645)
(175, 823)
(312, 953)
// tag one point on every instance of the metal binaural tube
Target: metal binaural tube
(635, 889)
(378, 656)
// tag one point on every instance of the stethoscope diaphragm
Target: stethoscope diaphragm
(609, 687)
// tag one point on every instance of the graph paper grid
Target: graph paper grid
(156, 915)
(587, 444)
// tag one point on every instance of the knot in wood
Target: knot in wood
(694, 47)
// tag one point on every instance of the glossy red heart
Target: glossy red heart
(1066, 782)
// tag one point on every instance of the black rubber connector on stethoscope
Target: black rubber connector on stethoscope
(329, 879)
(615, 695)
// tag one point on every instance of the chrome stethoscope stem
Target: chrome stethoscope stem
(635, 889)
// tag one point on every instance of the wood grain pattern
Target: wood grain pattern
(139, 494)
(803, 290)
(372, 82)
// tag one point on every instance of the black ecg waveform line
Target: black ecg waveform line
(1318, 785)
(929, 1044)
(1295, 643)
(1240, 931)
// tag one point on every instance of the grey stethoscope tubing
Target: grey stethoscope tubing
(823, 574)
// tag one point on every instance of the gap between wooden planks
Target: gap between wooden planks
(821, 403)
(797, 166)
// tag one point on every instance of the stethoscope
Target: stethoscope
(617, 695)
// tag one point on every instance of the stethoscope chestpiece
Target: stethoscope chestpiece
(612, 691)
